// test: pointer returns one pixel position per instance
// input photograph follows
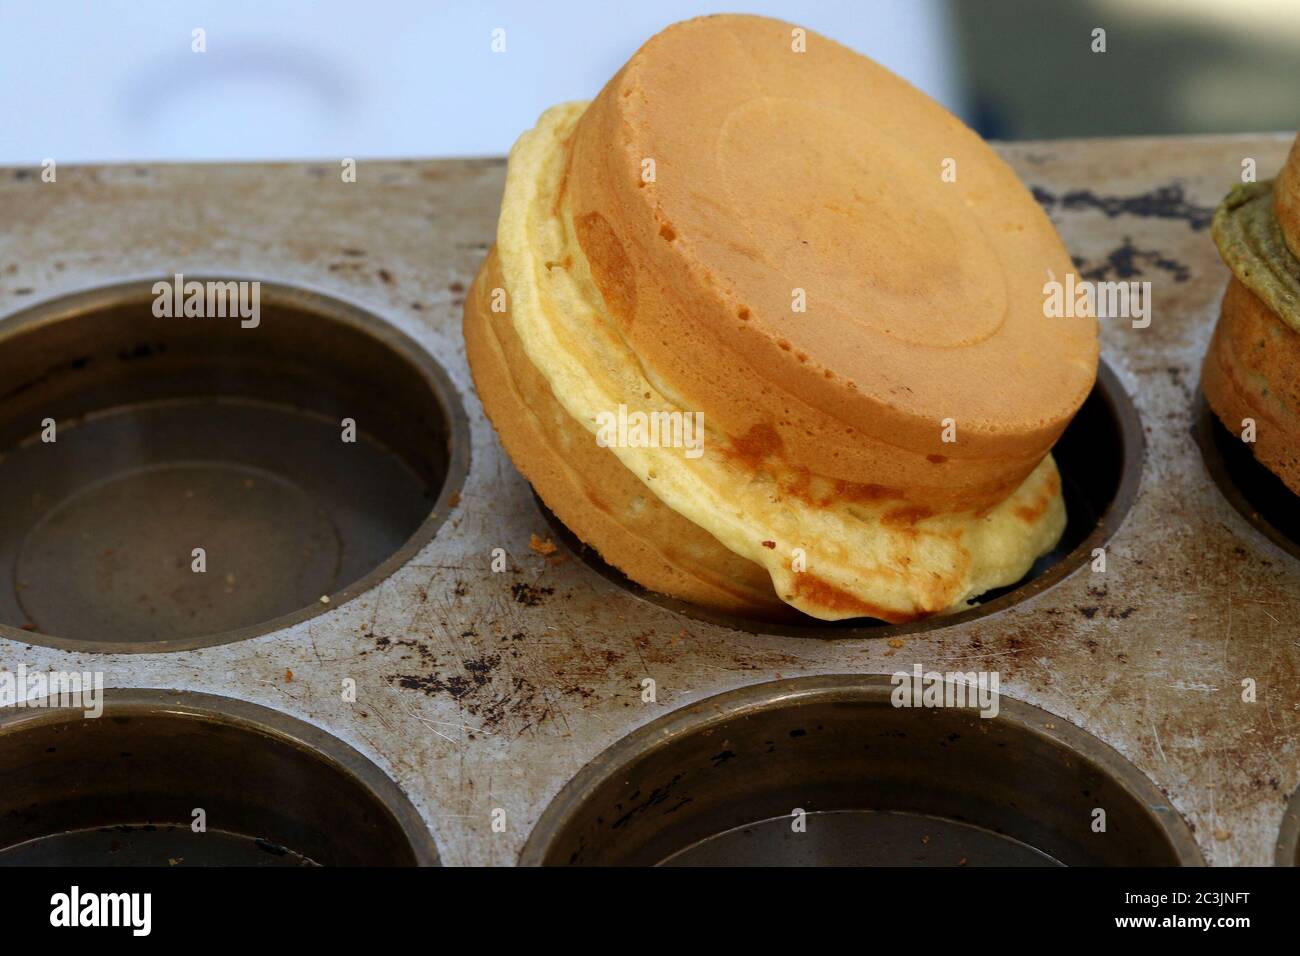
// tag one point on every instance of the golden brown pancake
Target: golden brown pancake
(773, 240)
(587, 486)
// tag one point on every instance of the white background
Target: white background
(115, 80)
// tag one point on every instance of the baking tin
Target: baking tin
(484, 692)
(179, 433)
(127, 789)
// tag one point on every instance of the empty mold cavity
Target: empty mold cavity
(723, 782)
(126, 789)
(175, 482)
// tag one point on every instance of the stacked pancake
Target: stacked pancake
(1252, 370)
(754, 227)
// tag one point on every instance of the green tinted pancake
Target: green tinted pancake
(1251, 243)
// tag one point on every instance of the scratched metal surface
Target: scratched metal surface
(481, 690)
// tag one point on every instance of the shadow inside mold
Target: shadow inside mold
(119, 791)
(1258, 495)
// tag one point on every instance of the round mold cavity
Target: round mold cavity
(1099, 456)
(121, 789)
(717, 783)
(1287, 852)
(173, 434)
(1258, 495)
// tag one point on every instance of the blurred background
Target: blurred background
(118, 80)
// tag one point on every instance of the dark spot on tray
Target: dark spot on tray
(720, 758)
(266, 846)
(433, 684)
(1126, 261)
(656, 797)
(425, 652)
(530, 595)
(481, 666)
(142, 350)
(457, 287)
(483, 694)
(385, 276)
(1164, 202)
(1088, 612)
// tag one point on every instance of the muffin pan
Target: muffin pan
(498, 678)
(123, 789)
(176, 434)
(721, 783)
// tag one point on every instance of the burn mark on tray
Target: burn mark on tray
(425, 652)
(1164, 202)
(530, 595)
(657, 796)
(75, 365)
(483, 691)
(266, 846)
(1127, 260)
(1091, 611)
